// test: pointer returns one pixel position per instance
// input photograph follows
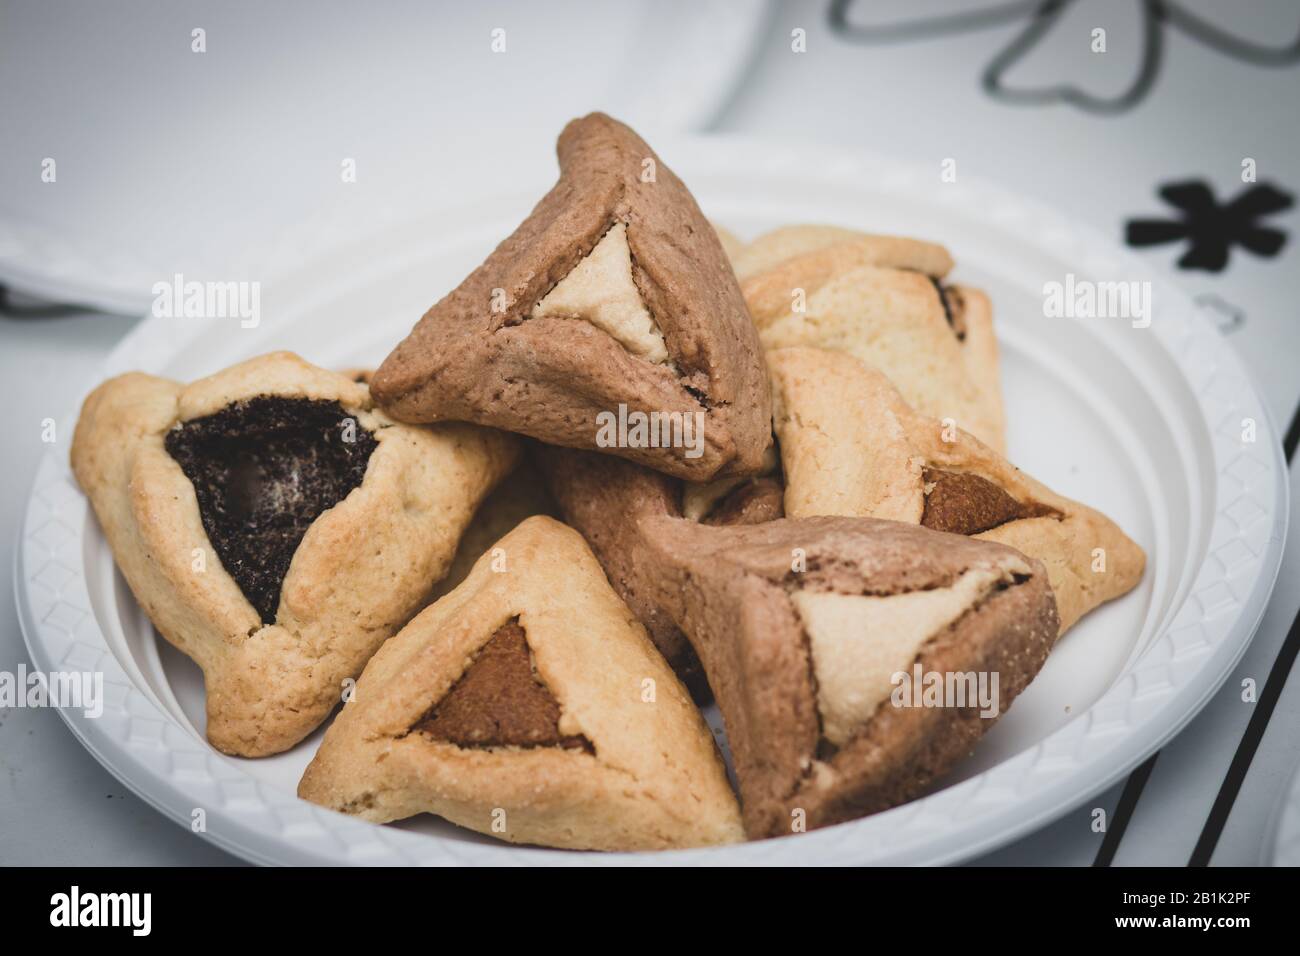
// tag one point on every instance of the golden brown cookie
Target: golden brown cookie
(847, 248)
(529, 704)
(817, 636)
(609, 320)
(850, 445)
(883, 300)
(276, 527)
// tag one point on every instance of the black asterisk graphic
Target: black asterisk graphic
(1210, 229)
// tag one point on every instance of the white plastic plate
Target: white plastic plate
(1144, 423)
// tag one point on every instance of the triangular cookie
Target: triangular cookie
(803, 627)
(614, 298)
(883, 300)
(528, 704)
(850, 445)
(276, 528)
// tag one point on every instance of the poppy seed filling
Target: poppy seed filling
(263, 469)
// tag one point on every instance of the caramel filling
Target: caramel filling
(263, 470)
(738, 501)
(500, 702)
(968, 504)
(752, 502)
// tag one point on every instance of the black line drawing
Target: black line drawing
(1042, 15)
(1211, 229)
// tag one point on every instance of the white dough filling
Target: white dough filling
(858, 642)
(600, 290)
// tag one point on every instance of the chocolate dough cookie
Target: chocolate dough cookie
(802, 626)
(614, 298)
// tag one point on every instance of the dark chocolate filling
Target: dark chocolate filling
(500, 702)
(968, 504)
(263, 470)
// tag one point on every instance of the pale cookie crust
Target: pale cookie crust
(736, 593)
(851, 445)
(655, 780)
(848, 248)
(895, 321)
(879, 298)
(362, 569)
(482, 355)
(979, 350)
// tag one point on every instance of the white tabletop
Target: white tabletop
(1209, 795)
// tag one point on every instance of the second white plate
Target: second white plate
(261, 122)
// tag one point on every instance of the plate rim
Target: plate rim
(321, 833)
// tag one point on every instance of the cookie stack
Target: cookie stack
(627, 465)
